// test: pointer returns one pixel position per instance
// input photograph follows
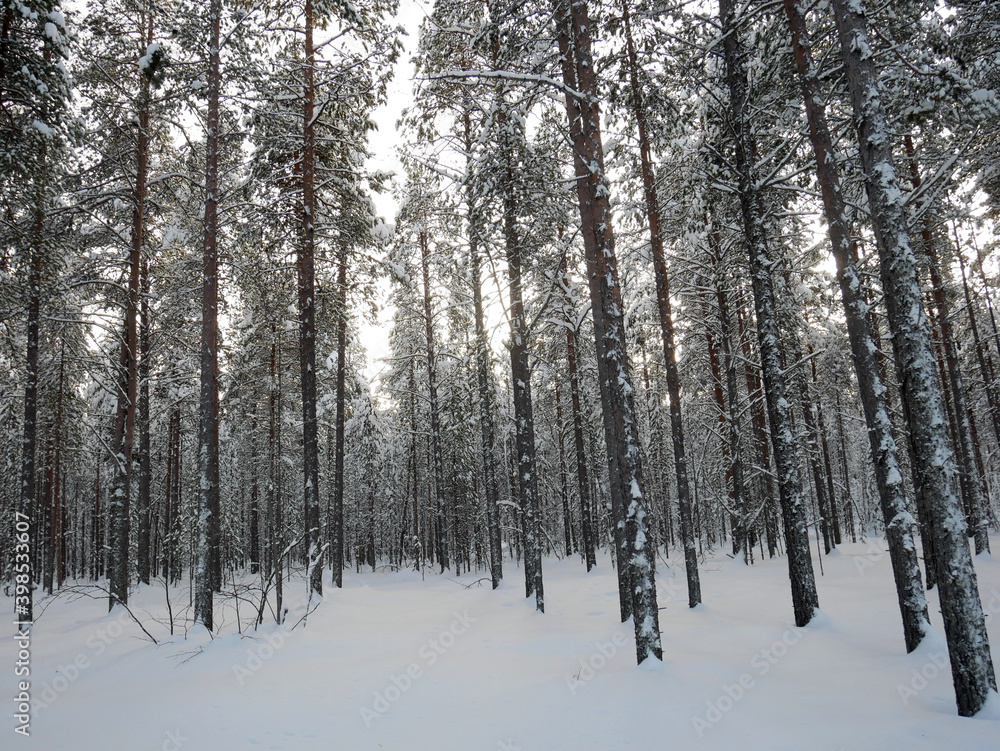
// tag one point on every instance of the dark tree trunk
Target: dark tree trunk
(276, 540)
(582, 473)
(441, 516)
(524, 419)
(758, 422)
(986, 370)
(208, 571)
(487, 432)
(739, 492)
(563, 474)
(804, 598)
(965, 629)
(337, 523)
(254, 502)
(307, 319)
(970, 483)
(666, 322)
(636, 556)
(174, 518)
(58, 515)
(145, 455)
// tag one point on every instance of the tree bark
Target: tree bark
(804, 598)
(582, 473)
(574, 37)
(208, 572)
(563, 473)
(145, 455)
(486, 428)
(440, 510)
(740, 500)
(986, 371)
(666, 321)
(965, 630)
(307, 318)
(337, 533)
(969, 480)
(524, 419)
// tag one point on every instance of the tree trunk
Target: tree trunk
(524, 419)
(986, 371)
(740, 500)
(254, 500)
(441, 516)
(337, 534)
(758, 422)
(208, 572)
(487, 433)
(145, 455)
(58, 515)
(563, 473)
(965, 629)
(579, 75)
(804, 598)
(582, 478)
(666, 322)
(307, 319)
(970, 483)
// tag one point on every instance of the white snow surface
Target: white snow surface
(395, 662)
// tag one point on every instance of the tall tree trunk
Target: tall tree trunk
(827, 464)
(986, 370)
(758, 422)
(809, 414)
(145, 455)
(619, 496)
(804, 597)
(337, 533)
(486, 429)
(128, 392)
(524, 419)
(208, 572)
(276, 542)
(58, 515)
(254, 500)
(970, 483)
(440, 510)
(563, 473)
(666, 321)
(579, 75)
(174, 518)
(307, 318)
(965, 629)
(719, 396)
(582, 478)
(740, 500)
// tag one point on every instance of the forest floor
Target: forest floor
(395, 662)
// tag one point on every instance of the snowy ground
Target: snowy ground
(393, 662)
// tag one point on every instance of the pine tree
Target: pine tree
(968, 644)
